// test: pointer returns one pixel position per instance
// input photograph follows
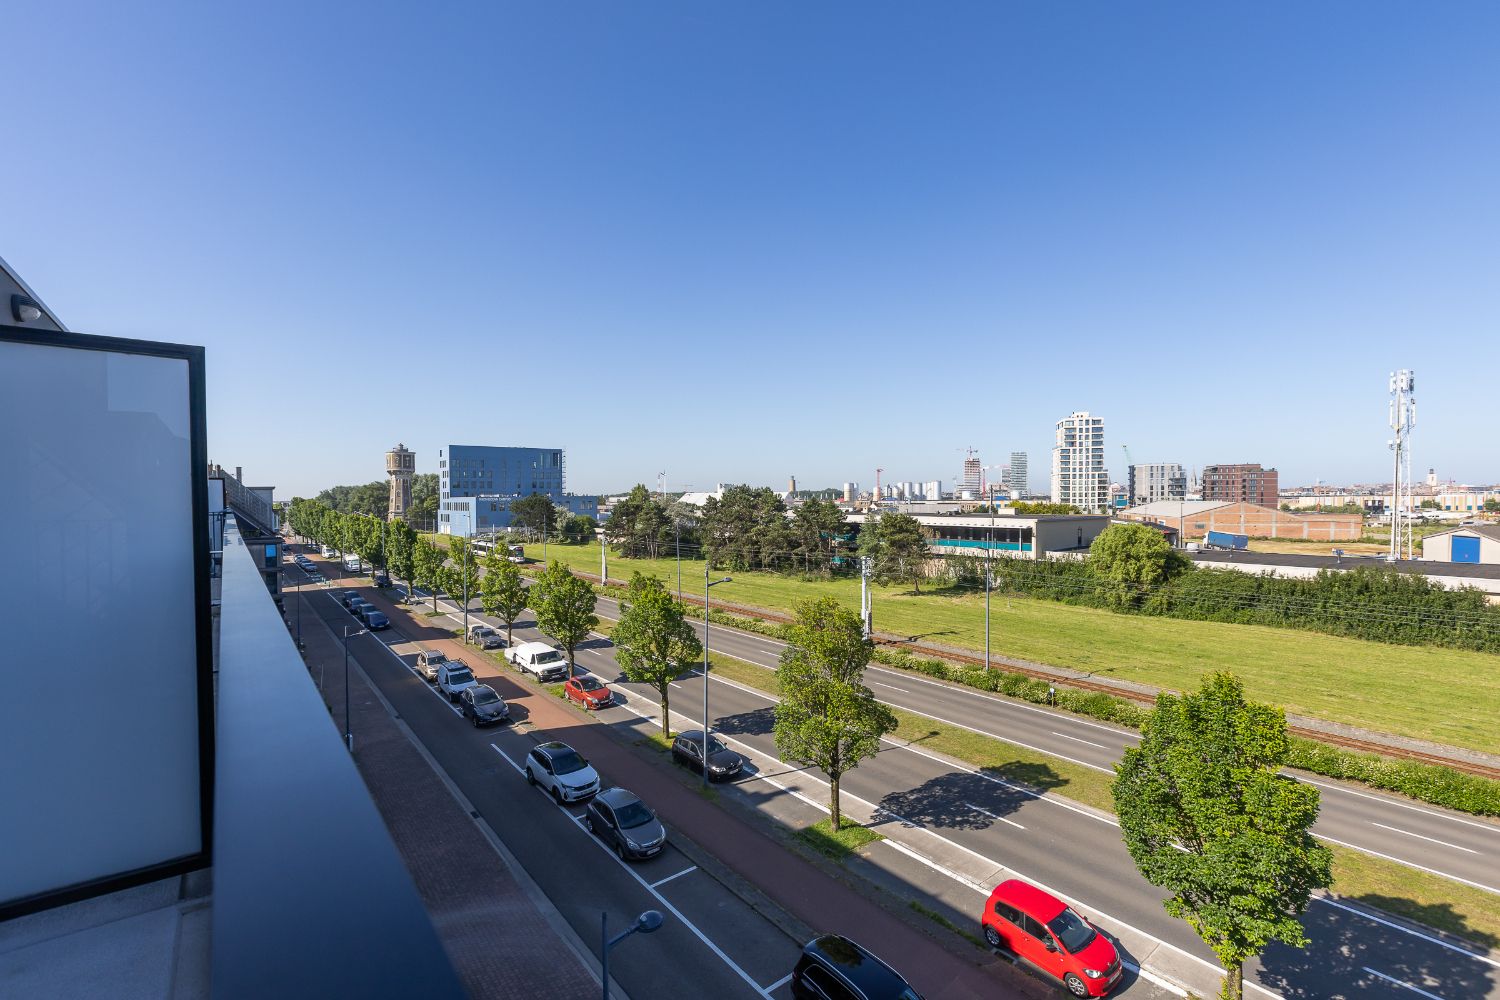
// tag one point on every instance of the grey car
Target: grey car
(485, 637)
(622, 820)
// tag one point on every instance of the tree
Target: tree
(827, 718)
(461, 575)
(746, 529)
(1207, 816)
(427, 566)
(636, 524)
(654, 640)
(564, 607)
(403, 544)
(1032, 508)
(818, 526)
(896, 548)
(1133, 558)
(1492, 505)
(424, 501)
(1429, 504)
(501, 592)
(578, 529)
(535, 513)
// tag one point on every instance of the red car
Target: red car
(1045, 932)
(588, 692)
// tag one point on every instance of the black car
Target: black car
(834, 968)
(380, 578)
(723, 763)
(347, 597)
(374, 620)
(624, 822)
(482, 706)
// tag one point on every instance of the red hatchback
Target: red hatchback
(588, 692)
(1045, 932)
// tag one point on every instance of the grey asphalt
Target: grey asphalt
(1074, 850)
(1462, 847)
(568, 864)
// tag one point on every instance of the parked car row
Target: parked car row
(370, 616)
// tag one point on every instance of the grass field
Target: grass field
(1450, 696)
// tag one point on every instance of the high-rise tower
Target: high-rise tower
(1078, 474)
(400, 465)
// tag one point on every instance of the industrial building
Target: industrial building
(1196, 518)
(1473, 543)
(1040, 536)
(1078, 473)
(478, 483)
(1246, 482)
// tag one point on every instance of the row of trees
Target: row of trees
(373, 499)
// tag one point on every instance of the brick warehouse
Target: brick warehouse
(1196, 518)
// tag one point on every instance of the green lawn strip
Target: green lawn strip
(838, 845)
(1422, 691)
(1387, 885)
(655, 741)
(1450, 906)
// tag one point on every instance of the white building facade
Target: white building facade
(1078, 473)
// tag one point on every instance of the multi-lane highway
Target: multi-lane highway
(965, 826)
(1451, 844)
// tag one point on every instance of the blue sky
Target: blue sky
(738, 242)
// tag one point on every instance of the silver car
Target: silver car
(622, 820)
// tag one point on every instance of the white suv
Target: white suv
(454, 677)
(561, 770)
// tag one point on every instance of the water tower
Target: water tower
(400, 465)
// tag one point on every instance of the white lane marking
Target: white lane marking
(1390, 800)
(1367, 915)
(408, 667)
(649, 887)
(891, 686)
(1409, 864)
(778, 984)
(1397, 982)
(1075, 739)
(993, 864)
(991, 815)
(664, 881)
(1430, 840)
(512, 763)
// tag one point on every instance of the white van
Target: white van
(329, 552)
(353, 564)
(540, 660)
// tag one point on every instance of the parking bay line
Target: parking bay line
(664, 881)
(764, 992)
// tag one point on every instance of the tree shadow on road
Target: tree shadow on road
(1350, 952)
(757, 723)
(960, 800)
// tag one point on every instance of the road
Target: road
(1460, 847)
(1074, 851)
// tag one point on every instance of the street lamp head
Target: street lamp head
(648, 921)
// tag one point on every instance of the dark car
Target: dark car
(380, 578)
(359, 606)
(624, 822)
(723, 763)
(375, 620)
(482, 706)
(834, 968)
(347, 596)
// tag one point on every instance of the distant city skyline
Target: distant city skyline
(738, 244)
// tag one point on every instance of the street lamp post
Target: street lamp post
(645, 923)
(706, 729)
(348, 730)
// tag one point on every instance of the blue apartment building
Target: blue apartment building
(477, 483)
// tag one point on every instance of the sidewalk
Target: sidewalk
(500, 941)
(812, 897)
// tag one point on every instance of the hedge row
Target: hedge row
(1431, 783)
